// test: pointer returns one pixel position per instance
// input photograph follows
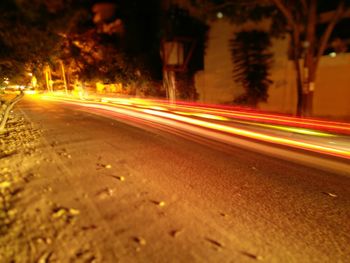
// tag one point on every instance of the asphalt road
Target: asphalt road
(186, 199)
(321, 144)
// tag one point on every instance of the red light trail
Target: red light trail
(159, 112)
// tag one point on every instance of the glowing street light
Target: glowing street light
(332, 54)
(219, 15)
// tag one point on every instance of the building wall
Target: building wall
(215, 83)
(282, 94)
(332, 90)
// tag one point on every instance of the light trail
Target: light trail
(275, 119)
(255, 135)
(148, 113)
(232, 112)
(277, 127)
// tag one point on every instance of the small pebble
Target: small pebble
(331, 194)
(161, 203)
(140, 240)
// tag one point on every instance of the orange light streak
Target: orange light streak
(142, 113)
(246, 115)
(254, 135)
(275, 119)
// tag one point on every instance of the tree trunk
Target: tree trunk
(300, 94)
(7, 111)
(309, 61)
(322, 45)
(47, 80)
(64, 77)
(305, 89)
(68, 79)
(50, 79)
(170, 85)
(296, 55)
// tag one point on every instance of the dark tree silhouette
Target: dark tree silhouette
(252, 62)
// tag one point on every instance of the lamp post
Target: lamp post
(64, 77)
(49, 82)
(175, 59)
(172, 53)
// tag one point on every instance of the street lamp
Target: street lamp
(175, 59)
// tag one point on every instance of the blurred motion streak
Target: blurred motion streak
(233, 112)
(145, 109)
(255, 135)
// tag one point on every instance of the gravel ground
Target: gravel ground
(18, 155)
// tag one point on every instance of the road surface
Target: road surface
(145, 194)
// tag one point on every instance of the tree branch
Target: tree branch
(310, 38)
(6, 62)
(304, 5)
(327, 33)
(231, 3)
(287, 14)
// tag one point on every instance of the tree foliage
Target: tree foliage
(25, 42)
(36, 33)
(252, 61)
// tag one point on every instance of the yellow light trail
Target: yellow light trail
(214, 126)
(253, 135)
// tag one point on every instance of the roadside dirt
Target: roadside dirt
(36, 224)
(18, 157)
